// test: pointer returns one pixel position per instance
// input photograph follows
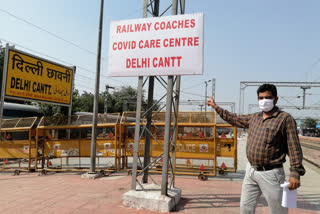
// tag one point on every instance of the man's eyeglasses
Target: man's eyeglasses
(267, 97)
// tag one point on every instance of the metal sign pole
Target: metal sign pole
(138, 116)
(177, 99)
(175, 124)
(96, 98)
(72, 88)
(4, 77)
(70, 106)
(146, 158)
(164, 184)
(137, 134)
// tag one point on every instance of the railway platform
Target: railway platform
(66, 192)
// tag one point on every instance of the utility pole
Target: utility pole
(205, 97)
(96, 98)
(304, 88)
(200, 107)
(106, 99)
(214, 88)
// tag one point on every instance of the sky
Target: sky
(248, 40)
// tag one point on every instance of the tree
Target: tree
(85, 102)
(77, 103)
(123, 100)
(309, 123)
(120, 100)
(80, 103)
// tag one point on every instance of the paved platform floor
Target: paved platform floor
(68, 193)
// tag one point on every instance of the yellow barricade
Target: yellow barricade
(65, 142)
(18, 144)
(201, 147)
(226, 148)
(127, 134)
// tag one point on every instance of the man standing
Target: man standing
(272, 134)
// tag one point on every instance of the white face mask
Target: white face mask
(266, 105)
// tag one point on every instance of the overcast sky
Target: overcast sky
(248, 40)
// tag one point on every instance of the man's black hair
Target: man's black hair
(268, 87)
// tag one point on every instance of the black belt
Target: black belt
(266, 168)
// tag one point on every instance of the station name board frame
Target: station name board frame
(157, 46)
(31, 78)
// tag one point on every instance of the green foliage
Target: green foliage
(53, 110)
(119, 100)
(83, 102)
(309, 122)
(123, 100)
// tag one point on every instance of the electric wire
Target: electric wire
(63, 61)
(51, 57)
(59, 37)
(198, 95)
(313, 65)
(290, 103)
(199, 84)
(67, 41)
(44, 30)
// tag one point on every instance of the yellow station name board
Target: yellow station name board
(33, 78)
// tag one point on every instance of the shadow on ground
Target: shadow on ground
(205, 201)
(309, 202)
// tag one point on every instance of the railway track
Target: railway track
(311, 144)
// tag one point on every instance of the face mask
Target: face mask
(266, 104)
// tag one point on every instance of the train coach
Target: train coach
(15, 110)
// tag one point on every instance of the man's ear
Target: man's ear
(275, 100)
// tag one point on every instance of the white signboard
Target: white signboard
(171, 45)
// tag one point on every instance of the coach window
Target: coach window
(131, 131)
(5, 136)
(86, 133)
(22, 135)
(62, 134)
(75, 134)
